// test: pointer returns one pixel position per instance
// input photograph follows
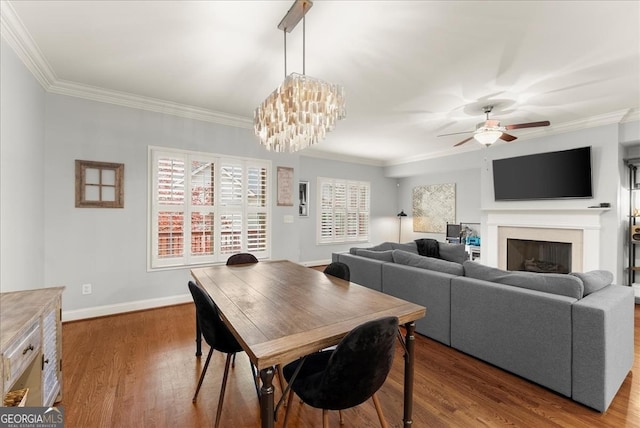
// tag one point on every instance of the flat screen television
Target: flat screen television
(564, 174)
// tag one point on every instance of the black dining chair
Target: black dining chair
(350, 374)
(241, 258)
(338, 269)
(217, 335)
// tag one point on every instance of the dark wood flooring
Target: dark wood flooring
(139, 370)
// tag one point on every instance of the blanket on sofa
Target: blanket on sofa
(428, 247)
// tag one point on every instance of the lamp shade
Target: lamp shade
(487, 137)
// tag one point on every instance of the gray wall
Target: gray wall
(22, 210)
(467, 182)
(607, 185)
(383, 205)
(108, 247)
(46, 241)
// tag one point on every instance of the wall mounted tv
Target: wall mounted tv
(564, 174)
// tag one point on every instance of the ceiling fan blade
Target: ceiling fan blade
(463, 141)
(528, 125)
(506, 137)
(454, 133)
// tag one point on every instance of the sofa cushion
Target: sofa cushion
(386, 246)
(438, 265)
(385, 256)
(453, 252)
(594, 280)
(555, 283)
(410, 247)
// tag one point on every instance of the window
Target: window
(206, 207)
(99, 184)
(344, 210)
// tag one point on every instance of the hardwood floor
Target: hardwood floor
(139, 370)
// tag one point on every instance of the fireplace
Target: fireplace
(538, 256)
(579, 227)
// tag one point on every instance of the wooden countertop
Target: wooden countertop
(20, 309)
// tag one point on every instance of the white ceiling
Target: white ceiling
(411, 69)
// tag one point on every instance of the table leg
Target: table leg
(198, 338)
(408, 373)
(266, 398)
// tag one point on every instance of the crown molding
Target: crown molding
(313, 152)
(126, 99)
(16, 35)
(616, 117)
(19, 39)
(632, 116)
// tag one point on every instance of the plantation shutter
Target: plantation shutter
(204, 208)
(344, 211)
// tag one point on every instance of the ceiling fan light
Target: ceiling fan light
(487, 137)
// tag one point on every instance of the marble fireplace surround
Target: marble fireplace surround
(580, 227)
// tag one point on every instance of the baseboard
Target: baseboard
(316, 263)
(636, 290)
(101, 311)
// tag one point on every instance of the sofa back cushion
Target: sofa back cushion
(387, 246)
(385, 256)
(453, 252)
(555, 283)
(594, 280)
(438, 265)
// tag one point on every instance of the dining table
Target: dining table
(280, 311)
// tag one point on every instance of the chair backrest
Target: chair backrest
(360, 364)
(215, 332)
(339, 270)
(241, 258)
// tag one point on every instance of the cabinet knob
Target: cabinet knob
(27, 349)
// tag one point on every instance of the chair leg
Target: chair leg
(325, 418)
(376, 402)
(286, 413)
(341, 418)
(233, 362)
(256, 378)
(222, 389)
(281, 381)
(204, 370)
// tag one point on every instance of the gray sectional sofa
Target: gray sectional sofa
(573, 334)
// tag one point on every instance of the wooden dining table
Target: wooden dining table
(280, 311)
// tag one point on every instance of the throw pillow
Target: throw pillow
(430, 263)
(452, 252)
(555, 283)
(594, 280)
(385, 256)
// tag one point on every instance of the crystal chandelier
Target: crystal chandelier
(302, 109)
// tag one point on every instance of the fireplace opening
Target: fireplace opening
(538, 256)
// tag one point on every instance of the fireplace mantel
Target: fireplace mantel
(586, 220)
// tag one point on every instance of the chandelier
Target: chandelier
(301, 111)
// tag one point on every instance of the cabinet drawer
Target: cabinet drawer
(20, 354)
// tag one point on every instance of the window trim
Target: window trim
(345, 238)
(188, 260)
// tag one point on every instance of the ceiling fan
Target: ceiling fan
(489, 131)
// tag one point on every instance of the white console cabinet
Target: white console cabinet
(31, 344)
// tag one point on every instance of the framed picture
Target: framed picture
(303, 199)
(99, 184)
(433, 207)
(285, 186)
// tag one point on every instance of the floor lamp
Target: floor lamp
(400, 215)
